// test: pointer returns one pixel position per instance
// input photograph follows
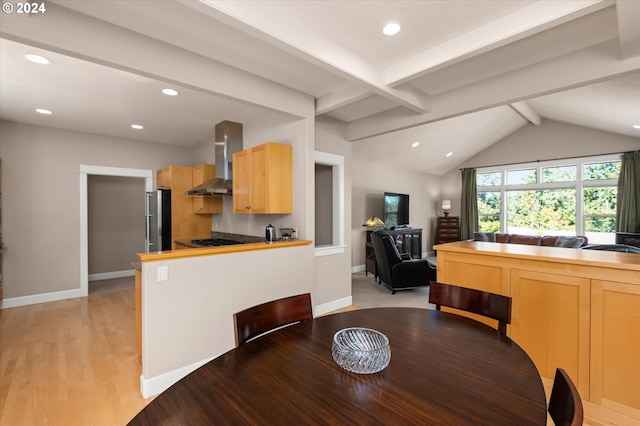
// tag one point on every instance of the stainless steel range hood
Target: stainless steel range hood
(228, 141)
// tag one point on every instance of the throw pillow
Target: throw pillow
(569, 242)
(484, 236)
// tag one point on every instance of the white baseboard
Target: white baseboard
(333, 305)
(357, 268)
(158, 384)
(40, 298)
(111, 275)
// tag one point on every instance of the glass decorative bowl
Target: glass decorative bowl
(361, 350)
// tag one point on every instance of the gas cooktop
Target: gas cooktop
(212, 242)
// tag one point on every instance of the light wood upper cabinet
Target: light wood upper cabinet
(263, 179)
(205, 204)
(185, 224)
(163, 178)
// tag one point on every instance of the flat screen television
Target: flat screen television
(396, 209)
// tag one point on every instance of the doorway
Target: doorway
(85, 171)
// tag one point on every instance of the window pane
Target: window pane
(489, 179)
(600, 224)
(489, 211)
(489, 223)
(600, 201)
(598, 171)
(559, 174)
(519, 177)
(541, 212)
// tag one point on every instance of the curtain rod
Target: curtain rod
(550, 159)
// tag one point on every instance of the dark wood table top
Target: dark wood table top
(445, 369)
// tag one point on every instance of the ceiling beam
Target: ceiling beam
(629, 28)
(576, 69)
(527, 112)
(320, 51)
(160, 61)
(339, 98)
(516, 26)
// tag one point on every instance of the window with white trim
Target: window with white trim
(560, 197)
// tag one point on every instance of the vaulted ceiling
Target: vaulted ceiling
(459, 76)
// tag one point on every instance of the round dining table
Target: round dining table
(445, 369)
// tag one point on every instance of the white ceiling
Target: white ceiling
(465, 72)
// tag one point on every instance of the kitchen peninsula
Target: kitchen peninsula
(187, 299)
(571, 308)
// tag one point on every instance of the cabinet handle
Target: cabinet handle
(248, 208)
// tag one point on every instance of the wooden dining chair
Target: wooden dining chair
(265, 317)
(565, 405)
(483, 303)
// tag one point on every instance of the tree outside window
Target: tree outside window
(552, 198)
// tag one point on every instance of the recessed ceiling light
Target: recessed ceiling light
(37, 59)
(413, 145)
(636, 126)
(449, 154)
(137, 126)
(44, 111)
(391, 29)
(170, 92)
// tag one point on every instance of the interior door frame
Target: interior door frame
(85, 171)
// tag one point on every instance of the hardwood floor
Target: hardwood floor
(72, 362)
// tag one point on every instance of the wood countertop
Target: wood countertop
(601, 258)
(208, 251)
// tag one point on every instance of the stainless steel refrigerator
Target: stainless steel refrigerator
(158, 220)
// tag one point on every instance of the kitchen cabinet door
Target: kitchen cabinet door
(263, 179)
(205, 204)
(185, 224)
(550, 320)
(615, 345)
(163, 178)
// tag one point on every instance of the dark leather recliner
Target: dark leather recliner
(396, 271)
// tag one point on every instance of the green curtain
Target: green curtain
(628, 212)
(469, 205)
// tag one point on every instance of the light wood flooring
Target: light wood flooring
(74, 362)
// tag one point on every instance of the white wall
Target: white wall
(333, 272)
(188, 319)
(370, 181)
(41, 197)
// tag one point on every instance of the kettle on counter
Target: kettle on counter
(270, 233)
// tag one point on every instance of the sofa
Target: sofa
(533, 240)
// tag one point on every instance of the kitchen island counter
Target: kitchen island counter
(195, 251)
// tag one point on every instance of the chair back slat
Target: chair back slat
(259, 319)
(565, 405)
(491, 305)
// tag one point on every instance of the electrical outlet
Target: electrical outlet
(163, 273)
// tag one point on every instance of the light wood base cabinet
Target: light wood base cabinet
(550, 321)
(575, 309)
(615, 346)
